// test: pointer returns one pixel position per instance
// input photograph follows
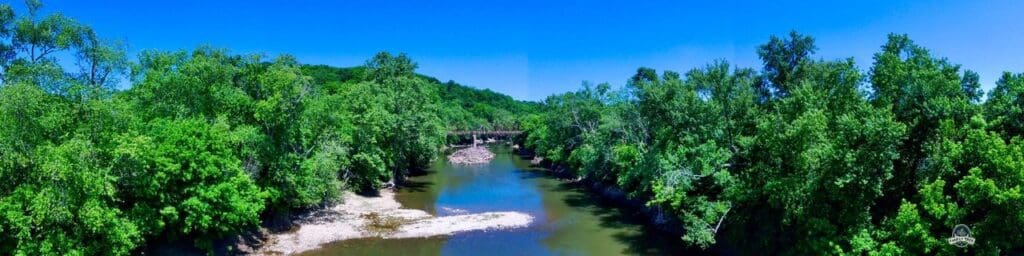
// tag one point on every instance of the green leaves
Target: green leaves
(819, 165)
(203, 142)
(802, 157)
(986, 193)
(185, 175)
(1005, 105)
(785, 60)
(669, 140)
(401, 113)
(823, 156)
(67, 205)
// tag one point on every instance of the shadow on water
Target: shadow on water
(648, 241)
(421, 172)
(412, 186)
(630, 226)
(569, 220)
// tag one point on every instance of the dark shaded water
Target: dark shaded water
(567, 220)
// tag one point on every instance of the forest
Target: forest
(102, 154)
(201, 143)
(807, 156)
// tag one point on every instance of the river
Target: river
(567, 220)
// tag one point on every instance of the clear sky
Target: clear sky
(531, 49)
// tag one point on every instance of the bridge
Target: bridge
(486, 132)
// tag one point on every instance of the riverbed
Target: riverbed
(566, 219)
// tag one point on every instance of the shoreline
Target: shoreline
(380, 216)
(655, 216)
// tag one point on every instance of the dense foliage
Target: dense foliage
(463, 108)
(807, 156)
(804, 156)
(203, 142)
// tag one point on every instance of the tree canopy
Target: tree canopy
(801, 156)
(806, 156)
(202, 143)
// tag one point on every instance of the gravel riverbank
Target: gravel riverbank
(381, 216)
(471, 155)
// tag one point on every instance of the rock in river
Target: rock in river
(471, 155)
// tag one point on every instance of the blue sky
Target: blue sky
(531, 49)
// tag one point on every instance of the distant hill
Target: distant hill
(463, 107)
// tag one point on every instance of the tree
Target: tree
(414, 132)
(29, 117)
(307, 144)
(976, 181)
(100, 62)
(196, 84)
(59, 195)
(712, 114)
(203, 142)
(65, 206)
(921, 91)
(1005, 105)
(7, 51)
(822, 159)
(34, 41)
(784, 61)
(971, 86)
(181, 179)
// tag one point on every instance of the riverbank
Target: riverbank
(381, 216)
(655, 216)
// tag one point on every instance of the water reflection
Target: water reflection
(567, 220)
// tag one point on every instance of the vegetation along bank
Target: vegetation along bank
(105, 155)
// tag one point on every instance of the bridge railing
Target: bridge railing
(481, 132)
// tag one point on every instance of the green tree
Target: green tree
(976, 182)
(413, 132)
(29, 117)
(66, 205)
(181, 84)
(101, 62)
(700, 125)
(181, 179)
(305, 153)
(821, 160)
(785, 61)
(34, 43)
(1005, 105)
(921, 91)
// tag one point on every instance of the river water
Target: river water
(567, 220)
